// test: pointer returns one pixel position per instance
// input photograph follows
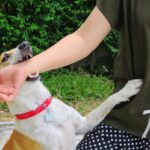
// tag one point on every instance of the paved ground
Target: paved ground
(6, 129)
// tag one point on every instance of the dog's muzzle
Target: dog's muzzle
(26, 53)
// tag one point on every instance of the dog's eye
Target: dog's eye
(5, 58)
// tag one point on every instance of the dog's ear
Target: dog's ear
(4, 56)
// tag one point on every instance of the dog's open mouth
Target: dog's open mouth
(26, 57)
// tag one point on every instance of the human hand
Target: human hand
(11, 79)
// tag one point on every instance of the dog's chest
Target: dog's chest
(58, 127)
(57, 115)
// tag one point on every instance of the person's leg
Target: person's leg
(105, 137)
(96, 140)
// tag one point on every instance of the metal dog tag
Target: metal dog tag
(48, 117)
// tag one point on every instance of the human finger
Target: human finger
(4, 97)
(7, 90)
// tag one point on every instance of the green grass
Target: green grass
(3, 106)
(80, 90)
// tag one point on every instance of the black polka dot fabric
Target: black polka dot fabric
(105, 137)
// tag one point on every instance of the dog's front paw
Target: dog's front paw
(131, 88)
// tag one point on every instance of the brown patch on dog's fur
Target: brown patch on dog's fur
(18, 141)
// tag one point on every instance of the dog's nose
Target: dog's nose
(24, 45)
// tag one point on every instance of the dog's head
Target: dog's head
(19, 54)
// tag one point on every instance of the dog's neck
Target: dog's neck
(30, 96)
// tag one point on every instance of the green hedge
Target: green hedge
(41, 22)
(44, 22)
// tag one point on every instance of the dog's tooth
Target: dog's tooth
(30, 55)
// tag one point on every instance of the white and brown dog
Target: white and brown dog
(47, 120)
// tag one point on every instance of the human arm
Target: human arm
(74, 46)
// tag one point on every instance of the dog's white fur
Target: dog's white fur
(59, 134)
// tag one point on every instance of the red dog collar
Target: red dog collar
(39, 109)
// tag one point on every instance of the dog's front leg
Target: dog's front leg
(97, 115)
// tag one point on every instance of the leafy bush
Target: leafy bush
(41, 22)
(44, 22)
